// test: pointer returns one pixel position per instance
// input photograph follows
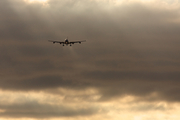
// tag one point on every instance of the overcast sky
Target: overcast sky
(128, 68)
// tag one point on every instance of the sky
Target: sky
(128, 68)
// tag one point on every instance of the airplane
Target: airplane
(66, 42)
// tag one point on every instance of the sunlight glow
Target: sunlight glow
(130, 1)
(123, 108)
(42, 1)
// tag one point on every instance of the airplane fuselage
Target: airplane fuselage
(66, 42)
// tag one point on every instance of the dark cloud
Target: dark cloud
(34, 109)
(137, 83)
(40, 83)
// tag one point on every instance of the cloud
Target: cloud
(139, 83)
(132, 36)
(36, 110)
(132, 49)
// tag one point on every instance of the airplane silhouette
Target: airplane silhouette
(66, 42)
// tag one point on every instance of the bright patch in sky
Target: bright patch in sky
(130, 1)
(36, 0)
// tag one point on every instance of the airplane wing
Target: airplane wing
(77, 41)
(56, 41)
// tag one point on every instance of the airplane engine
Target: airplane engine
(53, 42)
(79, 42)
